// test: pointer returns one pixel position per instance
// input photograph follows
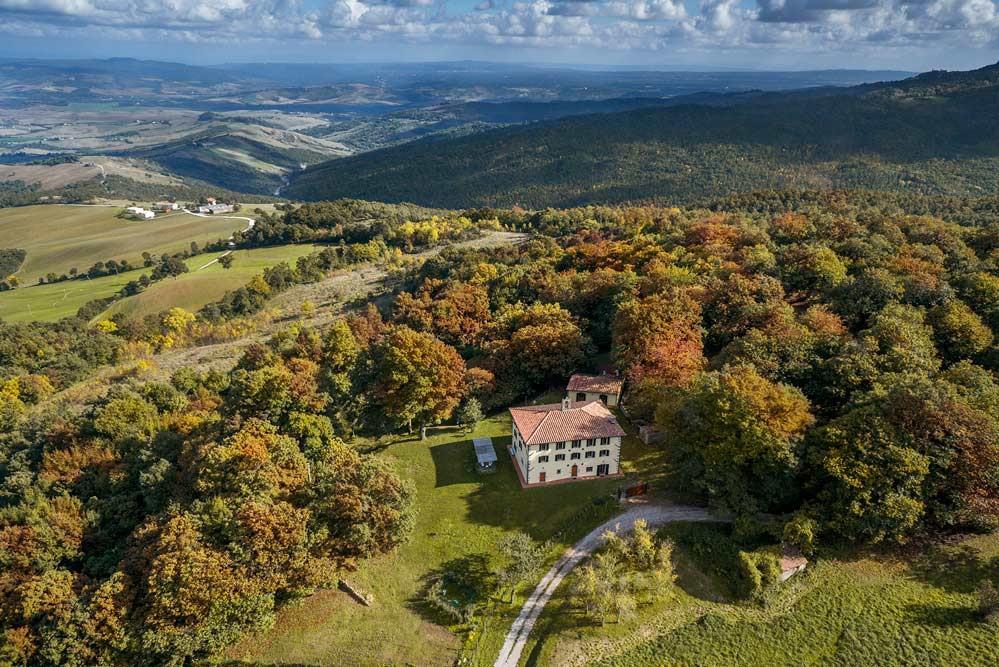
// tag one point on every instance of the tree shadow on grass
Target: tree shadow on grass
(466, 582)
(563, 615)
(942, 616)
(706, 559)
(564, 512)
(454, 463)
(696, 583)
(958, 569)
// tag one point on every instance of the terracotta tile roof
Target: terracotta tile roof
(596, 384)
(539, 424)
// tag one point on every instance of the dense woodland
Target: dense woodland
(932, 134)
(821, 364)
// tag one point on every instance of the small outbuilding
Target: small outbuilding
(792, 561)
(605, 388)
(485, 455)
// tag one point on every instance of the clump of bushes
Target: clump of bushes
(800, 532)
(758, 572)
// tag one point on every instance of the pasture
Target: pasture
(190, 290)
(49, 303)
(58, 238)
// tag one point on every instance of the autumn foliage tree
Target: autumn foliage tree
(163, 522)
(659, 338)
(457, 313)
(415, 377)
(736, 438)
(533, 345)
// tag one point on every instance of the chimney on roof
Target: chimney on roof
(566, 404)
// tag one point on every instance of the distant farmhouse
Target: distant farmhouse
(565, 441)
(166, 206)
(604, 388)
(140, 213)
(212, 209)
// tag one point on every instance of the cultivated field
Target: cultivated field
(190, 290)
(205, 284)
(58, 238)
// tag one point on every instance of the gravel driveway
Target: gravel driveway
(655, 514)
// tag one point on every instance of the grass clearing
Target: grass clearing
(462, 516)
(58, 238)
(847, 610)
(192, 290)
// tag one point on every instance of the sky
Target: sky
(658, 34)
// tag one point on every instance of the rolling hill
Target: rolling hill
(241, 156)
(58, 238)
(937, 133)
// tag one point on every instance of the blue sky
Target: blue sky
(663, 34)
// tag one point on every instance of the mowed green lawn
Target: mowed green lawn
(191, 290)
(462, 517)
(857, 609)
(200, 286)
(58, 238)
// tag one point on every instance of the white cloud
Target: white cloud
(656, 25)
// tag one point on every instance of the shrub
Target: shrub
(750, 577)
(758, 572)
(800, 532)
(470, 413)
(34, 388)
(437, 599)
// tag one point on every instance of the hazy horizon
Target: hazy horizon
(525, 64)
(677, 35)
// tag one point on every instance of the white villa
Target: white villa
(565, 441)
(604, 388)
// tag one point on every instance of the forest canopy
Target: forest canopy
(825, 359)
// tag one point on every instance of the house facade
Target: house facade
(565, 441)
(603, 388)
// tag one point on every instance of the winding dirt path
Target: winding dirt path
(655, 514)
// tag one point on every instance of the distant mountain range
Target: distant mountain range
(252, 127)
(935, 133)
(277, 85)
